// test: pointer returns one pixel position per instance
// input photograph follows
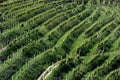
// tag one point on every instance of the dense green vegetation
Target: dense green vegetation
(59, 40)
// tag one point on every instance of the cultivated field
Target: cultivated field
(60, 40)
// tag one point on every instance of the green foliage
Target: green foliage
(59, 40)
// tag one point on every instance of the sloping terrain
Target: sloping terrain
(60, 40)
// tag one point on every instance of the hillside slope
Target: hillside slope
(60, 40)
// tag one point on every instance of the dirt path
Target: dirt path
(47, 72)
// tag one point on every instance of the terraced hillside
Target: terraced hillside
(60, 40)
